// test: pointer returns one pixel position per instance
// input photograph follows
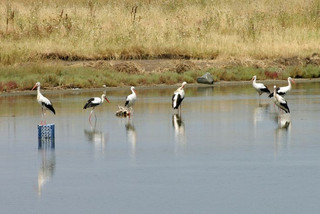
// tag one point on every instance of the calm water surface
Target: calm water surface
(225, 154)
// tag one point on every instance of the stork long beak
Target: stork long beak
(107, 99)
(293, 81)
(34, 87)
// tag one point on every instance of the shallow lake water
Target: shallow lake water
(224, 154)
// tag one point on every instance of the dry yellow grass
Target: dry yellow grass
(102, 29)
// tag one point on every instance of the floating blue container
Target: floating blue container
(46, 136)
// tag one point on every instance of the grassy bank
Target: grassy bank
(32, 30)
(40, 38)
(64, 77)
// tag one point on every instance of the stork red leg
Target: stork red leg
(90, 115)
(41, 122)
(44, 116)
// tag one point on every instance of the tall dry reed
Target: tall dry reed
(112, 29)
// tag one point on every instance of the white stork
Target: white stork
(178, 96)
(131, 99)
(93, 102)
(285, 89)
(261, 88)
(44, 102)
(280, 101)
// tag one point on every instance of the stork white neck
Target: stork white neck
(182, 86)
(289, 81)
(132, 89)
(102, 98)
(254, 78)
(38, 89)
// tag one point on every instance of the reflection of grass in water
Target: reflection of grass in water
(23, 78)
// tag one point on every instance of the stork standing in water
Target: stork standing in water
(177, 97)
(131, 99)
(280, 101)
(285, 89)
(93, 102)
(260, 88)
(44, 102)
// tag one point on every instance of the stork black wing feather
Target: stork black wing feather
(50, 107)
(89, 103)
(179, 101)
(265, 90)
(285, 107)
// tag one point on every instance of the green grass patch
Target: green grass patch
(58, 76)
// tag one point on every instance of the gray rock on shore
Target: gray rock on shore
(205, 79)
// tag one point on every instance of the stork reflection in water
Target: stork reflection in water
(179, 132)
(131, 136)
(47, 168)
(260, 113)
(96, 137)
(282, 139)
